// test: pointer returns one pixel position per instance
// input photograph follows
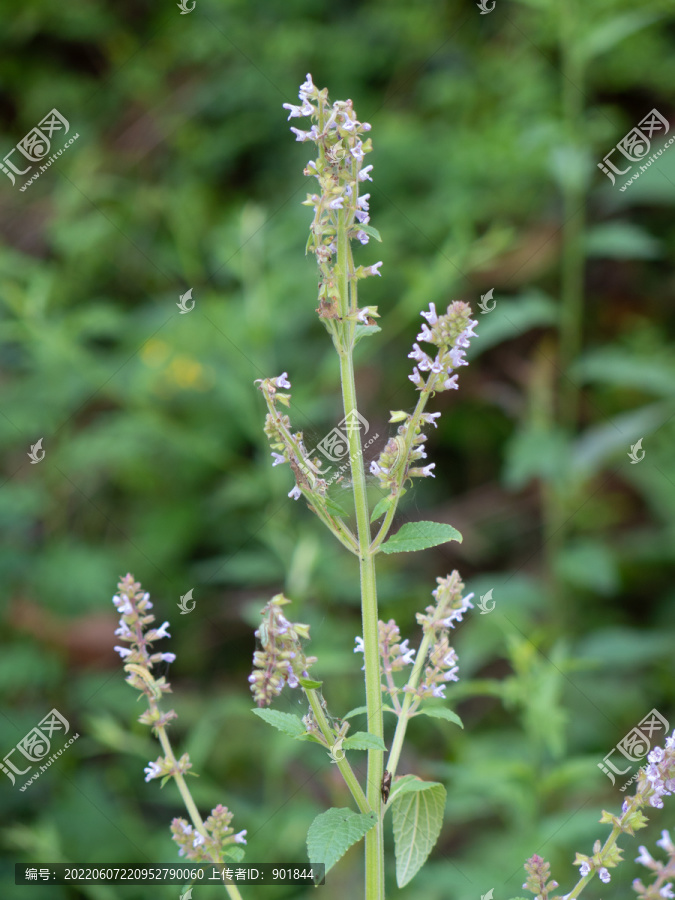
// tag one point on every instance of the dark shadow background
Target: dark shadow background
(487, 132)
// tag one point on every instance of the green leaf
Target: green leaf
(236, 854)
(286, 722)
(512, 319)
(440, 712)
(362, 331)
(373, 232)
(417, 813)
(332, 833)
(420, 535)
(381, 508)
(363, 740)
(310, 684)
(335, 508)
(613, 30)
(622, 240)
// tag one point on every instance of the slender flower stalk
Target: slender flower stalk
(208, 841)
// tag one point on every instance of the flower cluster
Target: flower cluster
(396, 462)
(339, 171)
(450, 333)
(133, 604)
(442, 659)
(282, 659)
(395, 654)
(655, 781)
(662, 888)
(193, 845)
(538, 871)
(286, 445)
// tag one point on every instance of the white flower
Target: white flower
(362, 202)
(168, 657)
(199, 839)
(429, 418)
(584, 869)
(336, 203)
(406, 653)
(363, 174)
(281, 381)
(359, 645)
(152, 770)
(240, 837)
(451, 384)
(161, 632)
(645, 857)
(666, 842)
(295, 494)
(300, 135)
(604, 875)
(426, 471)
(430, 316)
(296, 111)
(124, 631)
(123, 605)
(307, 87)
(438, 690)
(123, 651)
(656, 755)
(416, 378)
(278, 459)
(187, 829)
(667, 891)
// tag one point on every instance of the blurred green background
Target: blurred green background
(487, 132)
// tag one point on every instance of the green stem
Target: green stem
(343, 765)
(581, 884)
(374, 839)
(190, 804)
(401, 727)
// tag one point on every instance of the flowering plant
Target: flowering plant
(341, 216)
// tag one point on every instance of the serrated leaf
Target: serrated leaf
(310, 684)
(363, 740)
(332, 833)
(362, 331)
(420, 535)
(373, 232)
(440, 712)
(286, 722)
(417, 813)
(335, 508)
(381, 508)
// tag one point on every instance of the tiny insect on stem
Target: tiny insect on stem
(386, 785)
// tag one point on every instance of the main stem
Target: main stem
(374, 840)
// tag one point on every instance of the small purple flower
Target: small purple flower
(438, 690)
(123, 605)
(199, 840)
(451, 384)
(373, 270)
(363, 174)
(161, 632)
(430, 316)
(425, 335)
(297, 111)
(357, 152)
(362, 202)
(301, 136)
(240, 837)
(362, 216)
(123, 651)
(426, 471)
(336, 203)
(656, 755)
(359, 645)
(645, 857)
(281, 381)
(430, 417)
(168, 657)
(124, 631)
(295, 494)
(416, 378)
(584, 869)
(278, 459)
(362, 236)
(604, 875)
(667, 891)
(666, 843)
(306, 88)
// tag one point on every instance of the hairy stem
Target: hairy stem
(345, 769)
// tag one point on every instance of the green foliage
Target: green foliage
(417, 809)
(420, 536)
(332, 833)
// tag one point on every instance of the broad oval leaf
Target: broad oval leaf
(440, 712)
(286, 722)
(363, 740)
(362, 331)
(417, 812)
(332, 833)
(420, 535)
(309, 683)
